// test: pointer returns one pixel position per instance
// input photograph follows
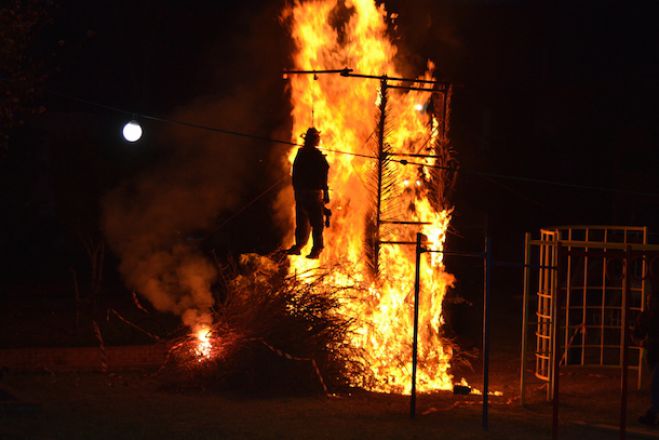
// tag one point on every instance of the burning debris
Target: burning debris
(270, 332)
(348, 315)
(374, 202)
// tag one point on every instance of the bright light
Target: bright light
(132, 131)
(204, 345)
(418, 107)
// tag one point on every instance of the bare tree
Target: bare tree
(21, 76)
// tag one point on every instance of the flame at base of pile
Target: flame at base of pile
(271, 331)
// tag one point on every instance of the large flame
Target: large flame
(332, 34)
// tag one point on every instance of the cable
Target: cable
(529, 179)
(365, 156)
(200, 126)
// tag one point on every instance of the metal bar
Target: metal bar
(625, 343)
(554, 308)
(622, 302)
(584, 304)
(417, 288)
(429, 156)
(487, 257)
(397, 242)
(316, 72)
(604, 261)
(556, 359)
(600, 245)
(418, 89)
(393, 78)
(614, 288)
(540, 324)
(456, 254)
(403, 222)
(525, 312)
(639, 378)
(520, 265)
(568, 283)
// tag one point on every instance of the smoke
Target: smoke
(158, 221)
(153, 221)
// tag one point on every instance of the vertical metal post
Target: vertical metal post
(554, 308)
(568, 292)
(487, 261)
(525, 316)
(603, 305)
(625, 344)
(584, 303)
(644, 272)
(556, 344)
(380, 169)
(415, 338)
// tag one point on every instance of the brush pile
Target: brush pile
(272, 333)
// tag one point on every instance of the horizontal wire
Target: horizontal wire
(365, 156)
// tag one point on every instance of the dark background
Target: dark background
(561, 92)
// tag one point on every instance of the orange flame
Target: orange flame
(345, 110)
(204, 346)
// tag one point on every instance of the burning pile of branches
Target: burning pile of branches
(271, 332)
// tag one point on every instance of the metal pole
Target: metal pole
(553, 313)
(415, 338)
(381, 158)
(555, 343)
(625, 356)
(487, 260)
(644, 271)
(525, 313)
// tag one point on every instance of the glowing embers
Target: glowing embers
(204, 345)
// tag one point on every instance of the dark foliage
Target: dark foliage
(270, 331)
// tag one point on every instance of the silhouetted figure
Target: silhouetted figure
(311, 193)
(647, 329)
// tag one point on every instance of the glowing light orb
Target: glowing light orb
(418, 107)
(132, 131)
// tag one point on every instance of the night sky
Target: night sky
(566, 93)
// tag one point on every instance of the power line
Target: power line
(200, 126)
(348, 153)
(529, 179)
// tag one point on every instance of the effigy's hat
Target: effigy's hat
(311, 132)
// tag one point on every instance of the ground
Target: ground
(134, 406)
